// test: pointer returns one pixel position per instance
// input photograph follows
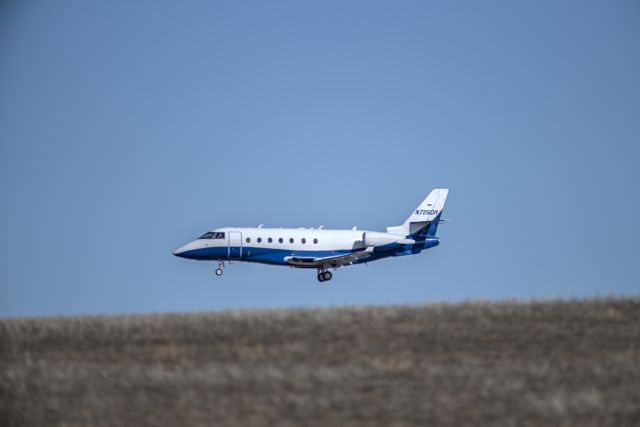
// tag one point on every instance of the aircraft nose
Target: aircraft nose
(180, 252)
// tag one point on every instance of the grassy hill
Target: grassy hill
(498, 364)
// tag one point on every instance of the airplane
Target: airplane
(319, 248)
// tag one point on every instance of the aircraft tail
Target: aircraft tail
(424, 220)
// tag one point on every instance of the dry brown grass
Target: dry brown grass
(499, 364)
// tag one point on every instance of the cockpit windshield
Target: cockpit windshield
(212, 235)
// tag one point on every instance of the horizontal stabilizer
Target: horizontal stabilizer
(406, 242)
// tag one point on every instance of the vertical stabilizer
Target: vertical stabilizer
(425, 218)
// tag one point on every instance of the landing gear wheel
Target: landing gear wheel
(220, 267)
(320, 277)
(326, 276)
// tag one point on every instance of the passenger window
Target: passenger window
(304, 240)
(259, 239)
(270, 239)
(315, 241)
(280, 240)
(248, 239)
(291, 240)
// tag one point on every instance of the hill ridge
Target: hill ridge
(469, 363)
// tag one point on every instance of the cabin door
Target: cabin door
(234, 245)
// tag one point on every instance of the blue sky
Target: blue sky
(130, 128)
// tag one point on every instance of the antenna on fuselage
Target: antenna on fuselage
(261, 225)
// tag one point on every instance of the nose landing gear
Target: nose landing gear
(220, 267)
(324, 276)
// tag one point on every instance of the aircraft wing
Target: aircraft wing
(329, 261)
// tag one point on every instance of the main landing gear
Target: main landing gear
(220, 267)
(324, 276)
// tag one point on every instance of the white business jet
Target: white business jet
(319, 248)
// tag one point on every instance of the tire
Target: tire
(320, 277)
(326, 276)
(219, 272)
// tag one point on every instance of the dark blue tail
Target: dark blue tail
(427, 229)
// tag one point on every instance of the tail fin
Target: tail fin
(424, 220)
